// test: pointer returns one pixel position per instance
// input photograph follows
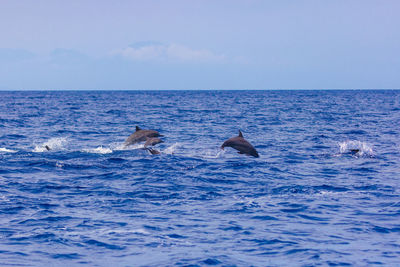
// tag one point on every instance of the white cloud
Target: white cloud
(171, 52)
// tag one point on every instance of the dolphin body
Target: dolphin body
(141, 135)
(241, 144)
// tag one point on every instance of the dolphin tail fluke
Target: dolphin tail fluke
(153, 151)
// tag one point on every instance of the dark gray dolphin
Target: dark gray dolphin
(354, 151)
(47, 147)
(152, 141)
(241, 144)
(140, 136)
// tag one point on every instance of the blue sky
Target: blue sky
(285, 44)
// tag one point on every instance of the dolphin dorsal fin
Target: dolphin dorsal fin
(138, 128)
(240, 134)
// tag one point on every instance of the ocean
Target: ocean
(324, 191)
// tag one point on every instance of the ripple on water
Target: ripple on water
(326, 180)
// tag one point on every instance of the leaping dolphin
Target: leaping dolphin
(141, 135)
(241, 144)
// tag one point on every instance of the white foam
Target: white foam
(3, 149)
(56, 143)
(220, 153)
(364, 149)
(99, 150)
(210, 154)
(171, 149)
(59, 165)
(120, 147)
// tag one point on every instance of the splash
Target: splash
(57, 143)
(356, 147)
(3, 149)
(220, 153)
(120, 147)
(171, 149)
(210, 154)
(99, 150)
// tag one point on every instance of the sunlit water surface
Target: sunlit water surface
(325, 190)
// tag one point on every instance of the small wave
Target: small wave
(97, 243)
(355, 131)
(99, 150)
(66, 256)
(140, 231)
(357, 148)
(57, 143)
(59, 165)
(6, 150)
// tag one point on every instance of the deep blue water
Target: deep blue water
(308, 200)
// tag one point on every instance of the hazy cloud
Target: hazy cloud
(64, 56)
(154, 51)
(10, 55)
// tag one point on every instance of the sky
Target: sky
(175, 45)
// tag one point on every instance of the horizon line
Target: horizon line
(270, 89)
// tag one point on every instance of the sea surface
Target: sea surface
(325, 190)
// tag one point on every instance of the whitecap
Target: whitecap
(3, 149)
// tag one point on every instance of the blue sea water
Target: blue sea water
(324, 191)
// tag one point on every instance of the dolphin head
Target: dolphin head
(254, 153)
(227, 143)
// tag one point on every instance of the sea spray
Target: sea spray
(55, 143)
